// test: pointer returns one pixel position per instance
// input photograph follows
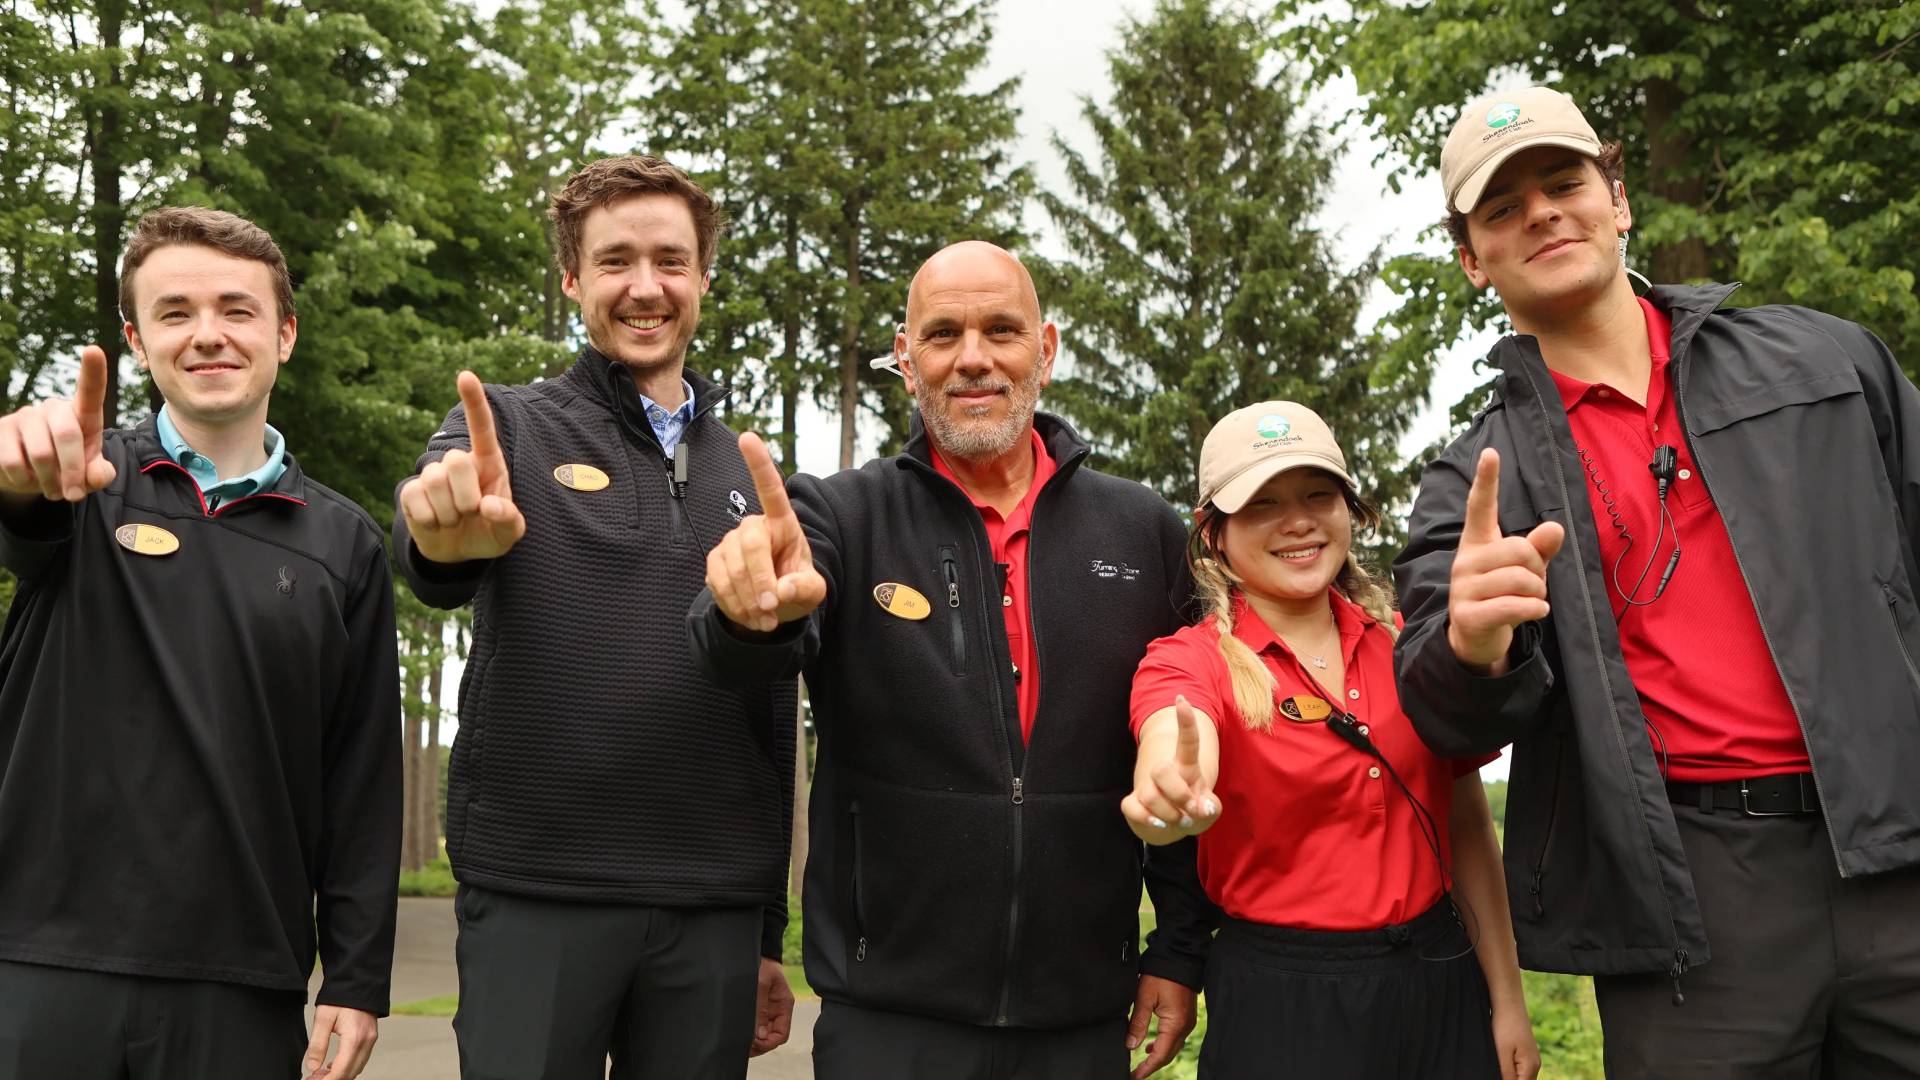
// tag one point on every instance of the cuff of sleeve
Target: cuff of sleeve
(40, 522)
(719, 649)
(1188, 971)
(445, 573)
(773, 933)
(365, 999)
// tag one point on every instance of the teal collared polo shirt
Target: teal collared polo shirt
(215, 490)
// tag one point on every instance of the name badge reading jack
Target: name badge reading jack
(902, 601)
(1305, 709)
(147, 539)
(581, 477)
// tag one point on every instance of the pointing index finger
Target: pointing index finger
(480, 430)
(1483, 501)
(90, 395)
(767, 481)
(1186, 751)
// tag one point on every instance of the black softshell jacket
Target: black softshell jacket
(953, 871)
(200, 749)
(1807, 436)
(594, 761)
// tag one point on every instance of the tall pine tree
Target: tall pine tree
(1198, 280)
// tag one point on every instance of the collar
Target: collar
(1659, 329)
(610, 383)
(1349, 618)
(1043, 470)
(684, 412)
(1687, 306)
(1063, 444)
(143, 443)
(202, 467)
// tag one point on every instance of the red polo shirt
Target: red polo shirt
(1707, 682)
(1008, 538)
(1313, 834)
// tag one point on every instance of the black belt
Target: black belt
(1757, 796)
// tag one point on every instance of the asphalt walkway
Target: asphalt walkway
(421, 1047)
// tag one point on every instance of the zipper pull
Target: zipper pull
(1678, 969)
(1019, 791)
(680, 469)
(860, 953)
(953, 585)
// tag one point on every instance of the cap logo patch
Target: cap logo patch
(581, 477)
(147, 539)
(1503, 114)
(901, 601)
(1305, 709)
(1273, 426)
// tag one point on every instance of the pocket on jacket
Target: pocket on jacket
(1712, 416)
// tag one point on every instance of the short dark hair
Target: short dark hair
(1608, 161)
(609, 180)
(229, 234)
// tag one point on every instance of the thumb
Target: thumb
(1137, 1026)
(1546, 539)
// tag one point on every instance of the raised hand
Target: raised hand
(761, 574)
(1173, 798)
(51, 449)
(1499, 582)
(461, 507)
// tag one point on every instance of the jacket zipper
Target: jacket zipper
(1894, 614)
(1699, 463)
(956, 619)
(859, 909)
(676, 467)
(1680, 960)
(1013, 901)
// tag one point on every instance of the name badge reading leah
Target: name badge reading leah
(1305, 709)
(581, 477)
(901, 601)
(147, 539)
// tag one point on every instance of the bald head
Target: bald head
(977, 269)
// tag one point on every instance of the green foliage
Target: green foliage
(1198, 280)
(1772, 144)
(434, 879)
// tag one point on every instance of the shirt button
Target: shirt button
(1373, 773)
(1363, 729)
(1354, 693)
(1006, 601)
(1686, 474)
(1604, 392)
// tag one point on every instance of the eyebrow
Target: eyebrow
(1557, 165)
(181, 299)
(623, 247)
(992, 318)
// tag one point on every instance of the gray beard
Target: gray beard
(974, 439)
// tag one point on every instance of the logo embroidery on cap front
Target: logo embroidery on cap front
(1503, 114)
(147, 539)
(902, 601)
(1273, 426)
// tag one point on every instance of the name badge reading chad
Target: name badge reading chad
(146, 539)
(581, 477)
(1305, 709)
(902, 601)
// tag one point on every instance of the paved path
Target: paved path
(421, 1047)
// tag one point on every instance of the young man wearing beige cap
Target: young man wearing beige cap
(1713, 807)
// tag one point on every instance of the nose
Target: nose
(973, 360)
(644, 284)
(1539, 209)
(207, 334)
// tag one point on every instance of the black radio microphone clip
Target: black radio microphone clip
(1664, 467)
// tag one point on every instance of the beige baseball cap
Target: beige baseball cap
(1251, 446)
(1498, 126)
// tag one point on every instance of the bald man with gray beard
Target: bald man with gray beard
(968, 615)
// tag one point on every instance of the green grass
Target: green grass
(434, 1006)
(433, 879)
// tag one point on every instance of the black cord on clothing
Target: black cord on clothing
(1620, 525)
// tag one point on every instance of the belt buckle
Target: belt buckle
(1750, 812)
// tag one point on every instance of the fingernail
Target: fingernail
(1156, 823)
(768, 602)
(1186, 821)
(1209, 808)
(1132, 1042)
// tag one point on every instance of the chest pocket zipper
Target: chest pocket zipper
(1906, 654)
(956, 616)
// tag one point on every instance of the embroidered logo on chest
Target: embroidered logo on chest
(736, 504)
(288, 579)
(1104, 569)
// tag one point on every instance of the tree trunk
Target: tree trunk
(411, 855)
(109, 216)
(790, 364)
(1674, 175)
(850, 343)
(429, 785)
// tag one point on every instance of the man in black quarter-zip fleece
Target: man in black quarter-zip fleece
(199, 705)
(618, 822)
(969, 615)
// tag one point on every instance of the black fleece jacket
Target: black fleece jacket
(200, 749)
(953, 870)
(588, 738)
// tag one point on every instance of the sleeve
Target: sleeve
(357, 876)
(726, 653)
(1457, 713)
(34, 535)
(1895, 406)
(442, 585)
(773, 927)
(782, 719)
(1174, 665)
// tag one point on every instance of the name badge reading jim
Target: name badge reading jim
(581, 477)
(146, 539)
(1305, 709)
(902, 601)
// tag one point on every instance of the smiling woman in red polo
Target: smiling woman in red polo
(1366, 930)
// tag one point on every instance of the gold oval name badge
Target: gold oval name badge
(1306, 709)
(581, 477)
(147, 539)
(902, 601)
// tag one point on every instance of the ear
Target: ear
(904, 359)
(570, 284)
(1622, 212)
(1049, 351)
(706, 281)
(289, 330)
(1471, 265)
(132, 335)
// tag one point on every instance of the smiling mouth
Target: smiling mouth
(211, 369)
(643, 322)
(1551, 248)
(1306, 554)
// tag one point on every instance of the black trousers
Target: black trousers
(1391, 1004)
(549, 989)
(852, 1043)
(70, 1024)
(1812, 976)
